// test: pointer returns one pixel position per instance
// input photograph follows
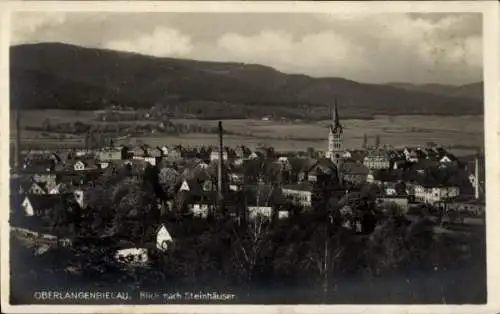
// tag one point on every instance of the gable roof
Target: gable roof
(41, 185)
(323, 165)
(353, 168)
(303, 186)
(377, 153)
(49, 201)
(39, 165)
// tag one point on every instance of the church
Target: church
(335, 137)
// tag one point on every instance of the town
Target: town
(134, 200)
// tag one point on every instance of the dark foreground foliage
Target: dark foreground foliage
(284, 263)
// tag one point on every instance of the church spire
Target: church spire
(336, 126)
(336, 118)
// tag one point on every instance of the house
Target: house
(423, 166)
(39, 205)
(253, 155)
(377, 160)
(430, 194)
(446, 159)
(401, 165)
(285, 163)
(238, 162)
(201, 210)
(464, 204)
(236, 178)
(352, 172)
(283, 214)
(44, 177)
(214, 155)
(262, 211)
(136, 166)
(132, 256)
(184, 187)
(241, 152)
(263, 195)
(103, 164)
(39, 165)
(163, 239)
(38, 188)
(320, 168)
(411, 155)
(139, 152)
(58, 189)
(108, 155)
(299, 194)
(402, 201)
(81, 153)
(150, 160)
(173, 155)
(164, 150)
(155, 152)
(80, 165)
(81, 196)
(195, 199)
(347, 155)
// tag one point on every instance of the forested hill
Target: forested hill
(54, 75)
(473, 90)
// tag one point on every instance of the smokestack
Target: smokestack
(220, 185)
(476, 173)
(17, 151)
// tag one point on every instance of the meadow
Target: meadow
(463, 133)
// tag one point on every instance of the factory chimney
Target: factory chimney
(17, 149)
(220, 183)
(476, 174)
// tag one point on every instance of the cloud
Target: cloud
(316, 53)
(418, 48)
(162, 42)
(27, 26)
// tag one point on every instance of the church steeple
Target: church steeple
(336, 126)
(335, 136)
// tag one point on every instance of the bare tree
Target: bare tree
(249, 245)
(325, 252)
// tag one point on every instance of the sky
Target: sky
(416, 48)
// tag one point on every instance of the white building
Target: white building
(377, 160)
(214, 155)
(430, 195)
(163, 239)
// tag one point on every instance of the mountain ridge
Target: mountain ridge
(56, 75)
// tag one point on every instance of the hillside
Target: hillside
(53, 75)
(474, 90)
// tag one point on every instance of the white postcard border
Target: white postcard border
(491, 66)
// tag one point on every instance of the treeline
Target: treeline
(165, 127)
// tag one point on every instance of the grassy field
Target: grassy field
(465, 131)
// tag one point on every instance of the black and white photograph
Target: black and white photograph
(247, 157)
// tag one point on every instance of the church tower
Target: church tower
(335, 136)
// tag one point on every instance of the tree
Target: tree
(386, 246)
(248, 246)
(134, 203)
(169, 179)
